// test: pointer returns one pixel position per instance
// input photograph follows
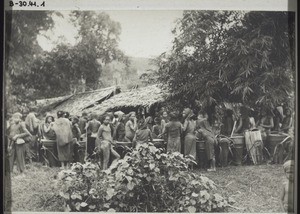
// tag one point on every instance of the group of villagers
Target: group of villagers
(179, 131)
(23, 135)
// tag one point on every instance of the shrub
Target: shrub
(146, 180)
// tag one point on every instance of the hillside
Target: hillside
(141, 64)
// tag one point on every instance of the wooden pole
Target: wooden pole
(233, 128)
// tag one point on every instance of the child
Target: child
(143, 134)
(287, 194)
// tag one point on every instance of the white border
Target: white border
(261, 5)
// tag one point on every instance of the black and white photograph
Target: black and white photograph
(144, 110)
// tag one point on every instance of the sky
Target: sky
(144, 33)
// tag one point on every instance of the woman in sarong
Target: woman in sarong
(188, 129)
(32, 125)
(204, 131)
(119, 134)
(173, 130)
(17, 131)
(130, 127)
(63, 131)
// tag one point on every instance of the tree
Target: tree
(61, 70)
(99, 36)
(230, 56)
(21, 47)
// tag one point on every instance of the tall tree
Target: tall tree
(99, 36)
(230, 56)
(67, 66)
(21, 47)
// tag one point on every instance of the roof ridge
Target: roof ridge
(97, 90)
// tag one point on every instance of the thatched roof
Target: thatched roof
(145, 96)
(78, 102)
(51, 101)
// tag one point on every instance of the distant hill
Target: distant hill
(141, 64)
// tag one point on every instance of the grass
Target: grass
(254, 188)
(34, 191)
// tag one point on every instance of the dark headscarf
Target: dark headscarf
(60, 114)
(48, 117)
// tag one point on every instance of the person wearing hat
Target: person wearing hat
(287, 193)
(17, 131)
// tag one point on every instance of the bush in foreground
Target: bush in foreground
(146, 180)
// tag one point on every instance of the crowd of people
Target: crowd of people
(180, 132)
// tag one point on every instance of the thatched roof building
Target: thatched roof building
(51, 101)
(130, 100)
(77, 103)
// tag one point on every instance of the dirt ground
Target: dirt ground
(254, 188)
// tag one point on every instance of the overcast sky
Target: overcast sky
(144, 33)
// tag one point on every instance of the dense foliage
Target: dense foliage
(146, 180)
(66, 68)
(21, 49)
(231, 56)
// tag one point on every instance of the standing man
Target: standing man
(92, 128)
